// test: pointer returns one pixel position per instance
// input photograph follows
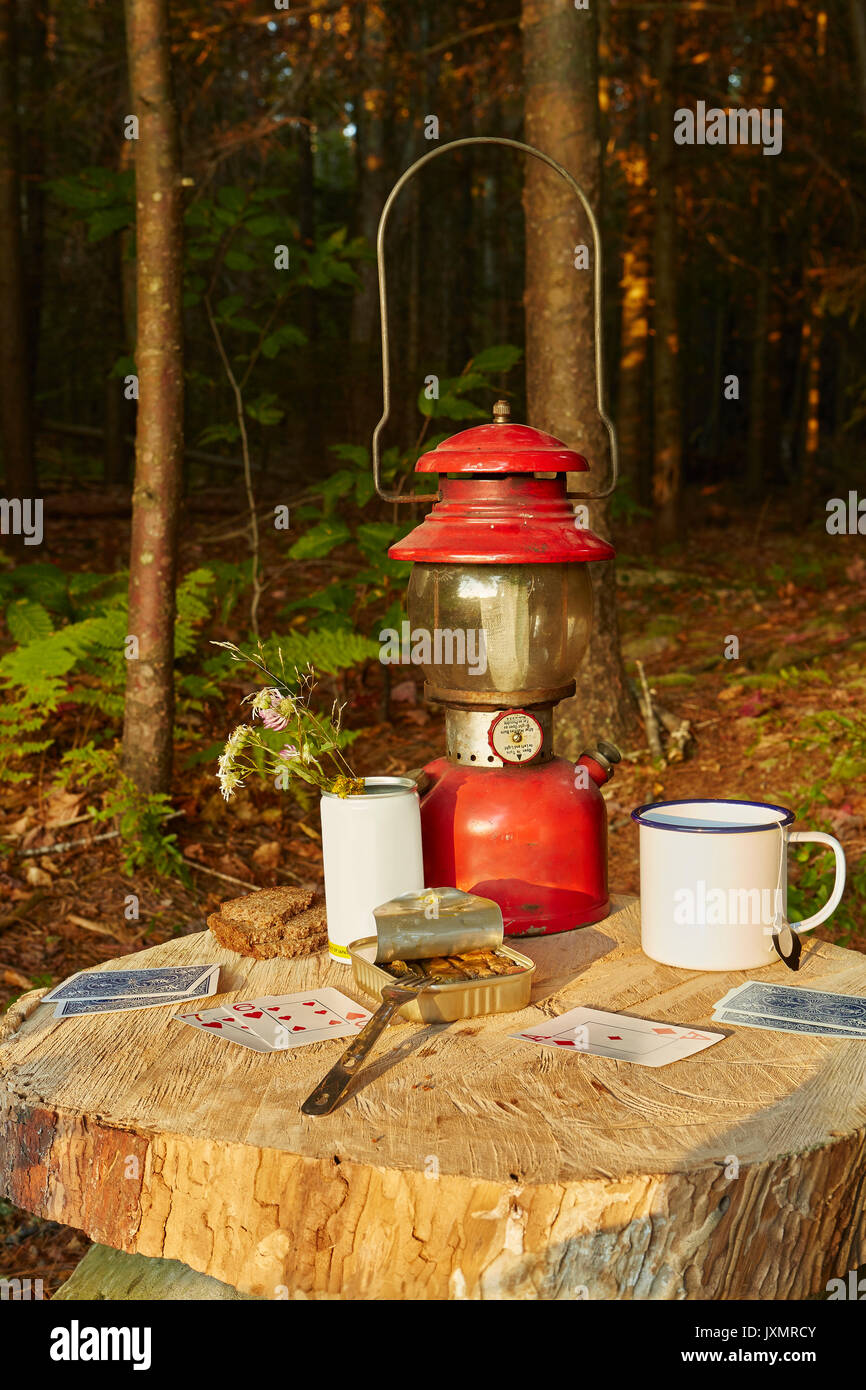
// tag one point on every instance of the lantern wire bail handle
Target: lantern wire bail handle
(597, 312)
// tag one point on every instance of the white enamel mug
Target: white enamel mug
(371, 846)
(714, 881)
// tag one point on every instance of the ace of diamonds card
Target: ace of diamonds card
(647, 1042)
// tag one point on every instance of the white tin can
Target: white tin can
(371, 845)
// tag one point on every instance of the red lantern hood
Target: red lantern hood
(496, 511)
(501, 448)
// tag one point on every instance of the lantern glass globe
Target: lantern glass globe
(495, 628)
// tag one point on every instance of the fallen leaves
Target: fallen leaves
(414, 716)
(268, 855)
(61, 807)
(303, 849)
(730, 692)
(10, 976)
(118, 933)
(757, 705)
(405, 693)
(36, 877)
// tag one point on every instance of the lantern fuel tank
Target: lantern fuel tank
(534, 839)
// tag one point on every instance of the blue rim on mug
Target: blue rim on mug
(639, 815)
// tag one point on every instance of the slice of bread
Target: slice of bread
(273, 922)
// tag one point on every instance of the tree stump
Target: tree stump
(465, 1164)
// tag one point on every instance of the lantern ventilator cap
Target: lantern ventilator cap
(505, 446)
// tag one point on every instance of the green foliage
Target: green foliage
(625, 507)
(807, 571)
(28, 620)
(18, 720)
(320, 540)
(811, 883)
(373, 597)
(238, 230)
(451, 403)
(139, 816)
(354, 482)
(325, 649)
(498, 359)
(843, 739)
(103, 198)
(71, 642)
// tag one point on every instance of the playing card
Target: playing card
(784, 1025)
(221, 1023)
(758, 998)
(644, 1041)
(122, 984)
(292, 1020)
(74, 1008)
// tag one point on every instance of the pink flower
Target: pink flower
(271, 718)
(290, 752)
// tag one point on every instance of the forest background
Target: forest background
(190, 373)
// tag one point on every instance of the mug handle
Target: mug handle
(818, 836)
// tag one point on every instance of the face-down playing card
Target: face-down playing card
(786, 1025)
(760, 998)
(76, 1007)
(647, 1042)
(154, 982)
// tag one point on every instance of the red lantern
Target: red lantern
(501, 601)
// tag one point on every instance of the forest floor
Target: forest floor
(783, 723)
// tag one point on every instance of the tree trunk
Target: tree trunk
(118, 413)
(370, 122)
(634, 437)
(858, 27)
(756, 462)
(116, 408)
(714, 422)
(812, 428)
(414, 312)
(312, 375)
(149, 716)
(37, 84)
(666, 386)
(793, 423)
(560, 83)
(632, 401)
(16, 431)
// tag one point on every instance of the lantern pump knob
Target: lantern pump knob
(501, 413)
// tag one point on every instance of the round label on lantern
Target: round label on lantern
(515, 736)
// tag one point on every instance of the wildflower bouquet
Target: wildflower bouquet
(313, 738)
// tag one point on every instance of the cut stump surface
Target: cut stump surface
(465, 1164)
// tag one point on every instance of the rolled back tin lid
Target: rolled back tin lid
(436, 922)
